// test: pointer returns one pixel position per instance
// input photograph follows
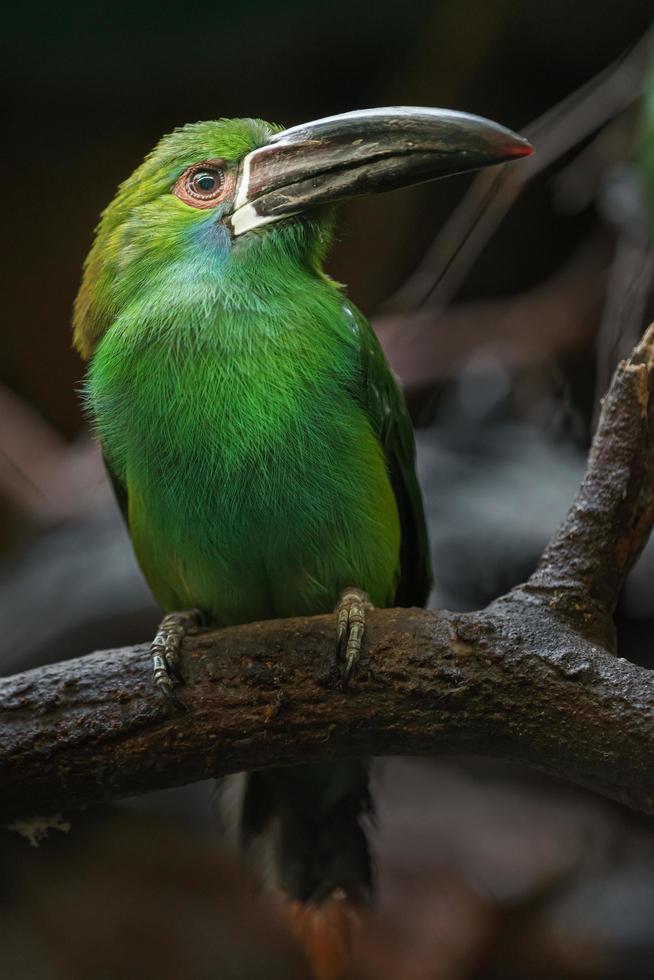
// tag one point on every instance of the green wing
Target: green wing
(120, 490)
(384, 405)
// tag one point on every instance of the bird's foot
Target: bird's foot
(350, 627)
(165, 651)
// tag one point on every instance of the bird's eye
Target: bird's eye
(202, 186)
(205, 183)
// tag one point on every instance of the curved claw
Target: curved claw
(352, 651)
(166, 688)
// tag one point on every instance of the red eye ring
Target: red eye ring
(204, 185)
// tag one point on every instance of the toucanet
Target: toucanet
(258, 443)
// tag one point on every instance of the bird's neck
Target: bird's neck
(192, 308)
(195, 357)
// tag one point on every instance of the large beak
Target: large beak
(363, 152)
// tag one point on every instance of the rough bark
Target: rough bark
(533, 677)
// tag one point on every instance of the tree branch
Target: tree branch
(585, 565)
(530, 678)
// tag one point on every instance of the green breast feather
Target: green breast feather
(261, 478)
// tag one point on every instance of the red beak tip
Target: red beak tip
(522, 149)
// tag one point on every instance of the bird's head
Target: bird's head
(215, 199)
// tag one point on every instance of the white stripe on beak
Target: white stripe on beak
(243, 183)
(246, 218)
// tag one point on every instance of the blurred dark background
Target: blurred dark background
(89, 89)
(504, 340)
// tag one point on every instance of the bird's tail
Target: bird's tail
(301, 830)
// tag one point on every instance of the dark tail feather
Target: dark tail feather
(301, 830)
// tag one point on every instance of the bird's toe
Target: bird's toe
(165, 649)
(350, 629)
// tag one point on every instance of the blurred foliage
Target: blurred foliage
(645, 147)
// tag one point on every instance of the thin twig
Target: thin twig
(493, 193)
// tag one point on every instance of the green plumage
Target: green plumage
(244, 407)
(258, 444)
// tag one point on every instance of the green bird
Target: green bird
(259, 445)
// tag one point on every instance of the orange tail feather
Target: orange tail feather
(327, 932)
